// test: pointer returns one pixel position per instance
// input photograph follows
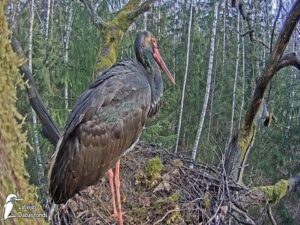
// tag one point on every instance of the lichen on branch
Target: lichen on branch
(273, 193)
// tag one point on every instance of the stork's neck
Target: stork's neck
(156, 84)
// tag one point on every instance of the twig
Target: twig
(270, 215)
(97, 21)
(167, 213)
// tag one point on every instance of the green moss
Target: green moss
(175, 197)
(245, 140)
(274, 193)
(175, 217)
(154, 167)
(139, 212)
(162, 205)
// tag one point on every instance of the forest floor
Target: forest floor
(156, 188)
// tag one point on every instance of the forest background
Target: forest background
(208, 48)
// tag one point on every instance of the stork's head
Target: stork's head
(146, 50)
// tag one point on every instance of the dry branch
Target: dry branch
(49, 128)
(290, 59)
(246, 17)
(97, 20)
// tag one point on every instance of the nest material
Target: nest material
(181, 192)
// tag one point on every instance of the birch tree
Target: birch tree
(208, 81)
(243, 78)
(235, 77)
(185, 76)
(47, 19)
(34, 119)
(67, 34)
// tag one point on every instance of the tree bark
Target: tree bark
(185, 76)
(208, 82)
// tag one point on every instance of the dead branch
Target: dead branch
(97, 20)
(274, 24)
(246, 17)
(49, 128)
(290, 59)
(144, 7)
(270, 215)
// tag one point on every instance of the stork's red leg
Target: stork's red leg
(117, 184)
(110, 175)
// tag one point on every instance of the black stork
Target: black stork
(106, 121)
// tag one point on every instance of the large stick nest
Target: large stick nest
(158, 187)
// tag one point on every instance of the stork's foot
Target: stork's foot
(114, 182)
(118, 217)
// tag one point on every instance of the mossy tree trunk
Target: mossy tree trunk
(13, 177)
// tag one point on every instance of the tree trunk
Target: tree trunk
(208, 81)
(185, 76)
(224, 34)
(67, 34)
(34, 120)
(235, 77)
(47, 19)
(243, 78)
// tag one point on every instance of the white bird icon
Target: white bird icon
(9, 204)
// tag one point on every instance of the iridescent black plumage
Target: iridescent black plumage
(106, 120)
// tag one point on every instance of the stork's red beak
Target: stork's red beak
(162, 65)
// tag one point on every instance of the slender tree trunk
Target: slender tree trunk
(47, 19)
(211, 103)
(174, 39)
(34, 120)
(235, 77)
(208, 81)
(243, 78)
(185, 76)
(68, 27)
(145, 20)
(224, 34)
